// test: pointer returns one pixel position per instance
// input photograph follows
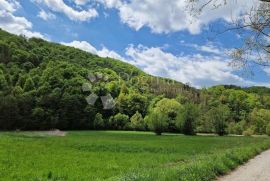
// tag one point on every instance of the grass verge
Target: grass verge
(202, 168)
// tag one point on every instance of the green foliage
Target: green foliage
(268, 129)
(130, 103)
(248, 132)
(237, 128)
(260, 118)
(4, 52)
(99, 122)
(119, 121)
(187, 119)
(239, 102)
(38, 75)
(3, 82)
(157, 121)
(39, 117)
(137, 121)
(171, 108)
(219, 116)
(29, 85)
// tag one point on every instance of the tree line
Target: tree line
(41, 89)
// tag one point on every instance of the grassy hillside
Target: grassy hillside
(122, 156)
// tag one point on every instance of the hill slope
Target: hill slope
(46, 85)
(41, 85)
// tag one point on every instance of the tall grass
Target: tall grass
(202, 168)
(122, 156)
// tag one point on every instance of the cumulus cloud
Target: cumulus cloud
(9, 6)
(171, 15)
(15, 24)
(195, 69)
(83, 45)
(76, 15)
(46, 15)
(104, 52)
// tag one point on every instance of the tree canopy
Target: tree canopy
(46, 85)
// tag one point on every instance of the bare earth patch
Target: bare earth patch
(257, 169)
(55, 132)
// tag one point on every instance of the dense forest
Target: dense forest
(42, 87)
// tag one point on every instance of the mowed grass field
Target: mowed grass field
(105, 155)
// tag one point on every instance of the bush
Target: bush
(119, 121)
(204, 125)
(98, 122)
(157, 122)
(248, 132)
(137, 121)
(237, 128)
(187, 119)
(268, 129)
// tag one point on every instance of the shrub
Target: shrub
(248, 132)
(268, 129)
(187, 119)
(237, 128)
(137, 121)
(157, 122)
(119, 121)
(128, 126)
(98, 122)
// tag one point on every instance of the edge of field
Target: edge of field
(201, 168)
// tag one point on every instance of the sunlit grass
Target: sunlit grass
(119, 155)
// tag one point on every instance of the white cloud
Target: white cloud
(15, 24)
(198, 70)
(171, 15)
(83, 45)
(104, 52)
(9, 6)
(111, 3)
(80, 2)
(46, 15)
(195, 69)
(61, 7)
(210, 49)
(207, 48)
(267, 71)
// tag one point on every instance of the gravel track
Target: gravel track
(257, 169)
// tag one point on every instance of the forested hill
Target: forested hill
(255, 89)
(45, 85)
(41, 85)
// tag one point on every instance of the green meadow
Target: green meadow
(116, 155)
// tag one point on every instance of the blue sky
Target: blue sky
(160, 36)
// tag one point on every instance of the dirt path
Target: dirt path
(257, 169)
